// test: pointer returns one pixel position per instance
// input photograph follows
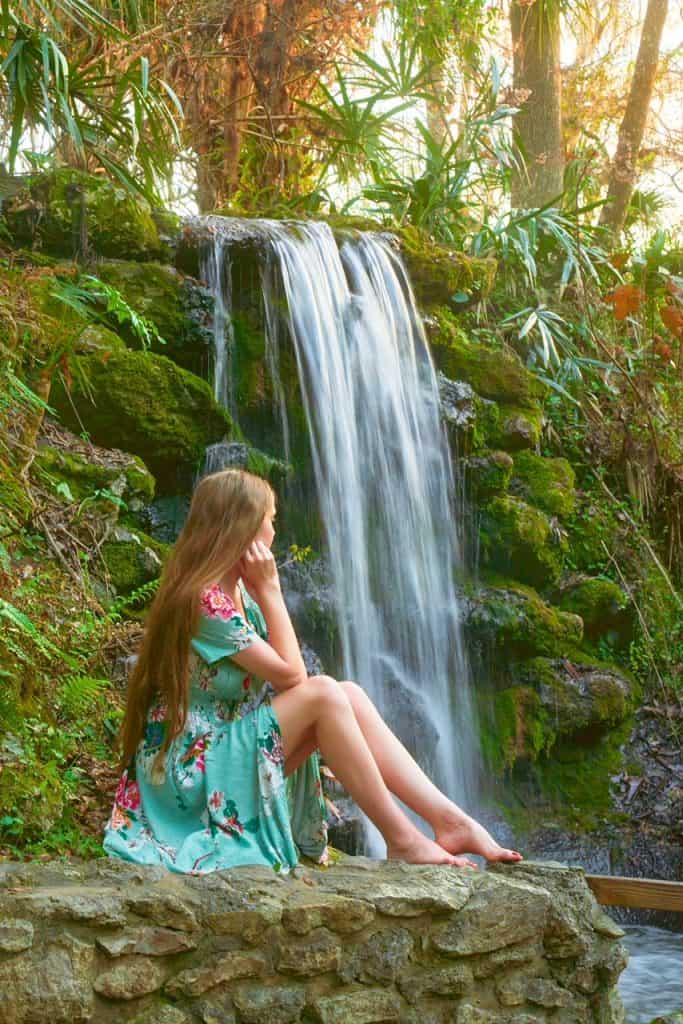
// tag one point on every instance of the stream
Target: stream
(652, 984)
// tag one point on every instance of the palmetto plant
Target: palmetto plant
(64, 70)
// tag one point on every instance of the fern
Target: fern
(136, 599)
(77, 694)
(22, 622)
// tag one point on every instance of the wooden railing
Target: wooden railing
(650, 893)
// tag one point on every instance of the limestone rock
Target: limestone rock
(451, 980)
(339, 913)
(147, 941)
(16, 935)
(231, 966)
(382, 957)
(318, 953)
(369, 1006)
(164, 908)
(162, 1013)
(275, 1005)
(520, 912)
(130, 978)
(50, 987)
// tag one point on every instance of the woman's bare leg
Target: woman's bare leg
(321, 704)
(455, 830)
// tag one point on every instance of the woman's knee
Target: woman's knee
(355, 693)
(327, 690)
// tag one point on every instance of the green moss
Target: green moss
(132, 558)
(488, 475)
(516, 727)
(493, 373)
(517, 623)
(546, 483)
(48, 213)
(262, 464)
(516, 428)
(586, 698)
(437, 271)
(518, 540)
(15, 504)
(575, 781)
(131, 481)
(177, 305)
(145, 404)
(599, 602)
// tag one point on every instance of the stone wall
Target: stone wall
(361, 941)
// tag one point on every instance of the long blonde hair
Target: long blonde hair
(225, 514)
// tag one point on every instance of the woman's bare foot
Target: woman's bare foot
(465, 834)
(419, 849)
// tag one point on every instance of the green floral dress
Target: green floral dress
(223, 799)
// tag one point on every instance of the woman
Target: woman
(219, 771)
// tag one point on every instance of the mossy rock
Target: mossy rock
(129, 480)
(519, 541)
(97, 339)
(179, 306)
(438, 272)
(47, 214)
(580, 698)
(575, 780)
(496, 374)
(145, 404)
(514, 727)
(546, 483)
(132, 558)
(602, 604)
(515, 620)
(514, 428)
(488, 475)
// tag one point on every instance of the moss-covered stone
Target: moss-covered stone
(496, 374)
(179, 306)
(546, 483)
(578, 697)
(514, 727)
(145, 404)
(488, 475)
(602, 604)
(132, 558)
(438, 271)
(519, 541)
(47, 214)
(129, 480)
(516, 622)
(515, 428)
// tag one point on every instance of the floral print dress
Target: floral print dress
(222, 799)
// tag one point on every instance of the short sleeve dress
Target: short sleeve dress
(222, 799)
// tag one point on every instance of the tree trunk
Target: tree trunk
(536, 71)
(623, 174)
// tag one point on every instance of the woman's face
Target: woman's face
(266, 531)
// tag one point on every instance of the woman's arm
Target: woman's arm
(279, 661)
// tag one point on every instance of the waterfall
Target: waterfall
(384, 482)
(216, 270)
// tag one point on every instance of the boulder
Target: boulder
(181, 308)
(50, 211)
(544, 482)
(521, 541)
(518, 623)
(144, 403)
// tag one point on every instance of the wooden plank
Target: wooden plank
(650, 893)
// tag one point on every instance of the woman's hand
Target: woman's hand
(258, 568)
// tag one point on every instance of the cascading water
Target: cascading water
(384, 483)
(216, 271)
